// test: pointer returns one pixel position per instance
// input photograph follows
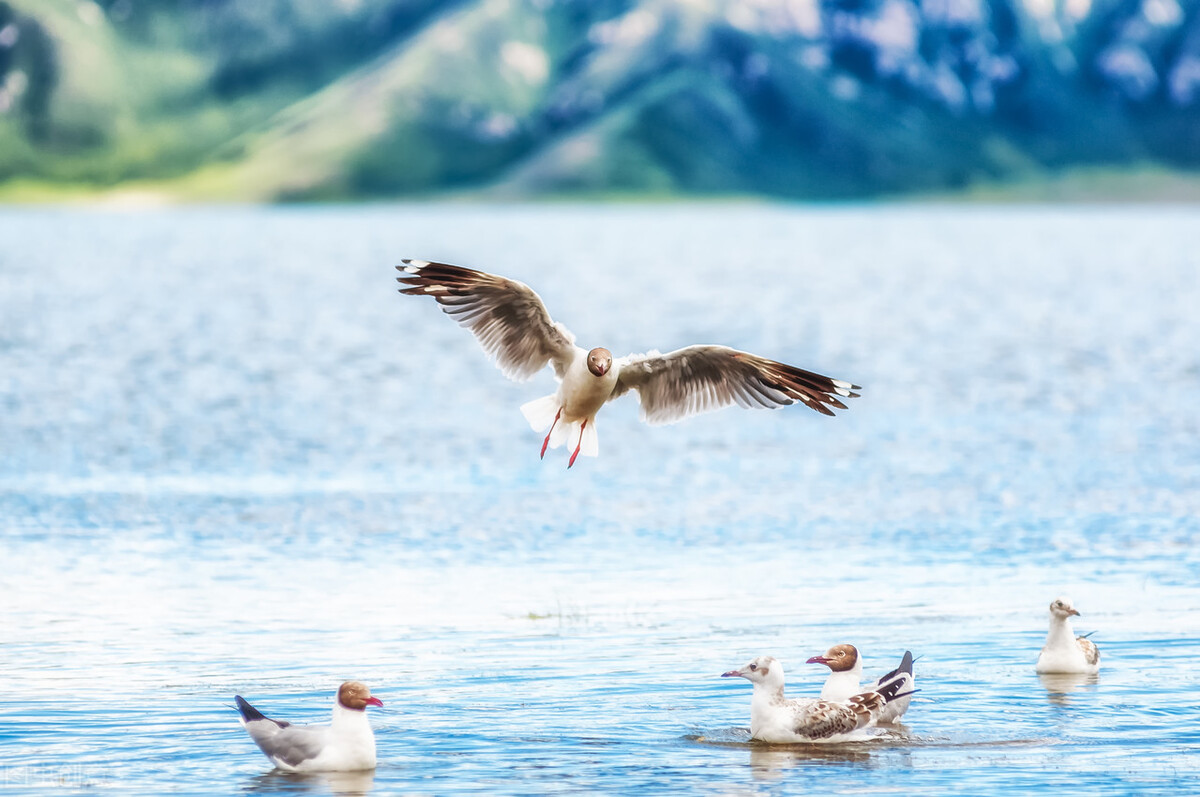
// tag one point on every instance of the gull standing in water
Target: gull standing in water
(516, 331)
(345, 745)
(774, 718)
(1064, 652)
(845, 673)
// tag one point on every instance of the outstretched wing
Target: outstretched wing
(506, 316)
(281, 741)
(701, 378)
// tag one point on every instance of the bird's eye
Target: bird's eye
(754, 666)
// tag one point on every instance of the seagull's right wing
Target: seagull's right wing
(281, 741)
(506, 316)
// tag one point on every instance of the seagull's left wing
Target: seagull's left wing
(821, 719)
(281, 741)
(697, 379)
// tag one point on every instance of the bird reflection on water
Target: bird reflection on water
(771, 761)
(1059, 686)
(340, 784)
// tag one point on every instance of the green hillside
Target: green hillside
(315, 99)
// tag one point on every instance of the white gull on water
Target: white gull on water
(774, 718)
(347, 744)
(845, 673)
(515, 329)
(1064, 652)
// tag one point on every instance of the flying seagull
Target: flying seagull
(845, 672)
(345, 745)
(517, 332)
(1064, 652)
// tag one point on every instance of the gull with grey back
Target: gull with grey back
(346, 744)
(516, 331)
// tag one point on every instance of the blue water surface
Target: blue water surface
(233, 460)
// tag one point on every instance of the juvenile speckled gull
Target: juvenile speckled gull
(516, 331)
(1064, 652)
(347, 744)
(774, 718)
(845, 673)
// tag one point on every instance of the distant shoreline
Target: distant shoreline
(1078, 186)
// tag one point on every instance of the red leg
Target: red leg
(582, 426)
(546, 442)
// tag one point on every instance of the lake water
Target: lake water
(234, 460)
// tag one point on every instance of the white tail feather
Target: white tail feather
(540, 413)
(591, 440)
(562, 432)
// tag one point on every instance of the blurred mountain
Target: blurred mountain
(333, 99)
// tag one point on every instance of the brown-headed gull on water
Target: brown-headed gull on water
(774, 718)
(1064, 652)
(514, 329)
(345, 745)
(845, 673)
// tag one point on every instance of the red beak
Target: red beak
(731, 674)
(1073, 612)
(374, 701)
(817, 660)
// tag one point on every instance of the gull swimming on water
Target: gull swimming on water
(774, 718)
(517, 332)
(1064, 652)
(845, 672)
(345, 745)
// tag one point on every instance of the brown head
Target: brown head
(599, 361)
(355, 695)
(839, 658)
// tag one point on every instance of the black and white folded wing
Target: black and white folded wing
(899, 681)
(506, 316)
(288, 746)
(697, 379)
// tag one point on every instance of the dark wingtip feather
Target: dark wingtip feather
(249, 712)
(906, 664)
